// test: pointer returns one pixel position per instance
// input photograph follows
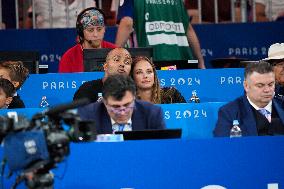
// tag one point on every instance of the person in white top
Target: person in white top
(63, 13)
(269, 10)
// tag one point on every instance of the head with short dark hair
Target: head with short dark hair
(15, 72)
(260, 67)
(119, 97)
(7, 91)
(259, 83)
(117, 85)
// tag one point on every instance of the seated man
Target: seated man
(276, 58)
(120, 111)
(257, 112)
(118, 61)
(90, 28)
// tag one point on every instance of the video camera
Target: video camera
(34, 147)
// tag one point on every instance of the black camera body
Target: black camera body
(35, 147)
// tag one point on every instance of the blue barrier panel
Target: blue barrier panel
(196, 120)
(251, 162)
(244, 40)
(58, 88)
(211, 85)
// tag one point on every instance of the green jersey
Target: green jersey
(162, 24)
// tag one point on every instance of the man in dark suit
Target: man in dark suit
(120, 111)
(259, 86)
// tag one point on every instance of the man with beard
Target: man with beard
(257, 112)
(90, 28)
(120, 111)
(118, 61)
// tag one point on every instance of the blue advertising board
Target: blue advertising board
(219, 163)
(211, 85)
(196, 120)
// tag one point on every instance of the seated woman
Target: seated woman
(144, 73)
(7, 91)
(16, 73)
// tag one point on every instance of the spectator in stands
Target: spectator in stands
(7, 91)
(59, 12)
(258, 112)
(165, 27)
(208, 11)
(276, 58)
(91, 29)
(17, 74)
(118, 61)
(266, 9)
(144, 73)
(120, 111)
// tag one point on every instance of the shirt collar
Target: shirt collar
(268, 107)
(129, 122)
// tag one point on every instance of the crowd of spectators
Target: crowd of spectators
(173, 39)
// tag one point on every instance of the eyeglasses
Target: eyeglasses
(120, 110)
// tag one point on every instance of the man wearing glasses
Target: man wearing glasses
(120, 111)
(276, 58)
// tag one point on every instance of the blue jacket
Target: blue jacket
(240, 110)
(145, 116)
